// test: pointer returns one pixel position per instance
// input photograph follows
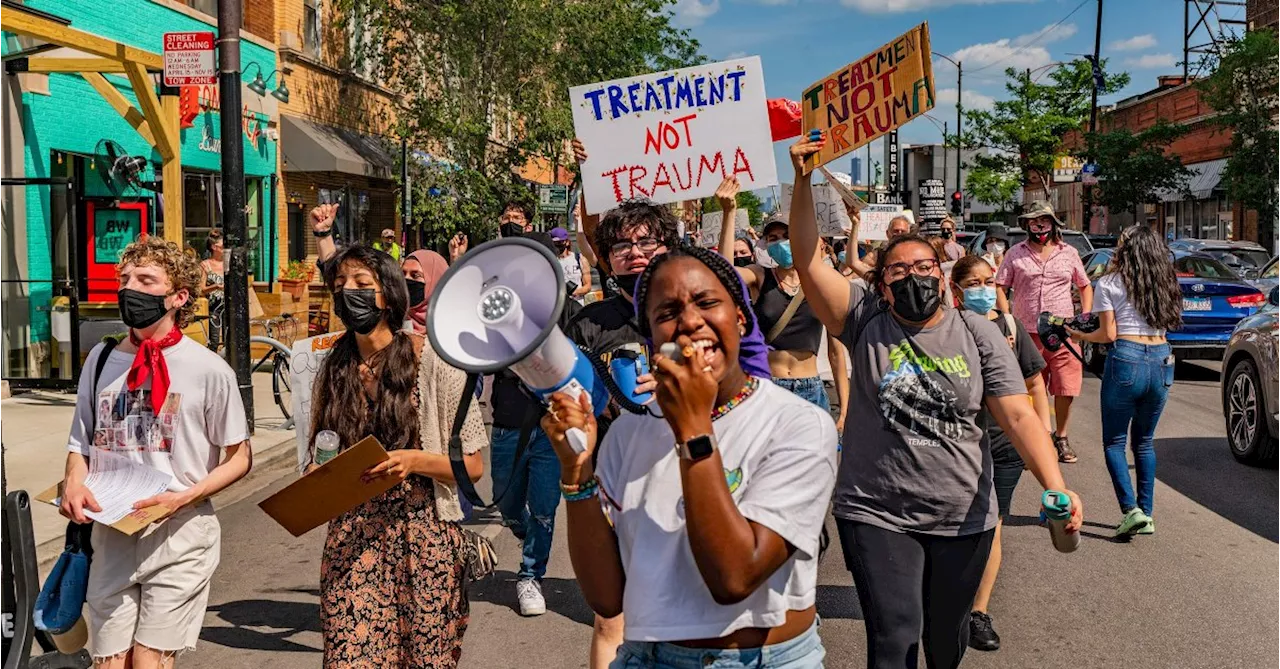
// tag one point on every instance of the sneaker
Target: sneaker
(1132, 523)
(1065, 454)
(982, 636)
(1150, 528)
(529, 592)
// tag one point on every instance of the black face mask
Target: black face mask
(916, 298)
(511, 230)
(358, 309)
(743, 261)
(1040, 238)
(946, 234)
(140, 310)
(626, 283)
(417, 292)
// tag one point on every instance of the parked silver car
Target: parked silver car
(1249, 386)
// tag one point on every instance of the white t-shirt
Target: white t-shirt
(1112, 296)
(779, 454)
(202, 415)
(572, 266)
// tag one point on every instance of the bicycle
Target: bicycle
(280, 333)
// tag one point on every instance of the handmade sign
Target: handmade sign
(713, 221)
(875, 221)
(870, 96)
(828, 208)
(933, 203)
(675, 135)
(304, 365)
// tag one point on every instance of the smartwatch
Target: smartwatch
(321, 234)
(697, 448)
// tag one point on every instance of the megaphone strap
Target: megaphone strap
(456, 462)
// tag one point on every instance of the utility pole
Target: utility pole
(405, 200)
(1093, 113)
(944, 156)
(233, 223)
(959, 123)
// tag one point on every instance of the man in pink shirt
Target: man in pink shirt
(1041, 272)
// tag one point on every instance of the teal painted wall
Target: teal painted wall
(74, 118)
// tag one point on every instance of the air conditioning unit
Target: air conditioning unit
(289, 40)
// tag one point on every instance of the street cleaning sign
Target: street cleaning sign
(188, 59)
(870, 96)
(675, 135)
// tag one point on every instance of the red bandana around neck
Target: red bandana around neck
(149, 363)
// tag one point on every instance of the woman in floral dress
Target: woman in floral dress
(393, 571)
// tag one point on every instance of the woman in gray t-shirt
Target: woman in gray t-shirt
(914, 500)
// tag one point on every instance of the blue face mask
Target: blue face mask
(980, 299)
(841, 257)
(780, 251)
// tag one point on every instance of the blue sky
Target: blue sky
(799, 41)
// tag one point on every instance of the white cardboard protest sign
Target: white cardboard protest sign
(875, 221)
(674, 135)
(828, 207)
(304, 366)
(712, 222)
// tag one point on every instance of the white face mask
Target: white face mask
(995, 247)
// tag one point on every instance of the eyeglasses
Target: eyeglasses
(646, 245)
(900, 269)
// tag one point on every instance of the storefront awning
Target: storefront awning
(313, 147)
(1204, 180)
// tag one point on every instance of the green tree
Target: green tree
(1134, 167)
(482, 85)
(1242, 90)
(998, 189)
(747, 201)
(1024, 132)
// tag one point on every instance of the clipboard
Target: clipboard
(130, 524)
(329, 491)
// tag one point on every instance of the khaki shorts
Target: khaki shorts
(152, 588)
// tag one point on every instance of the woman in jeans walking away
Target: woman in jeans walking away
(1138, 301)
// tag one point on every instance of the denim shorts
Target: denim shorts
(802, 652)
(809, 388)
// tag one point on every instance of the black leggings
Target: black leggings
(913, 586)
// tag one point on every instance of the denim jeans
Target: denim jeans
(810, 389)
(529, 507)
(802, 652)
(1135, 386)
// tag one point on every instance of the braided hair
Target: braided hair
(726, 273)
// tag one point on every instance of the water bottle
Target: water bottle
(327, 443)
(1057, 511)
(627, 364)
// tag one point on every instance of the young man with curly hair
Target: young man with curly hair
(147, 592)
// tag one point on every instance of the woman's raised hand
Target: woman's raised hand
(808, 145)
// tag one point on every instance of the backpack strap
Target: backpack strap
(108, 345)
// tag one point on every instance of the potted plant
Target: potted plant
(294, 279)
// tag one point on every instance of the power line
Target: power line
(1033, 42)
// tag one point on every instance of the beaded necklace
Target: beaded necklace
(752, 384)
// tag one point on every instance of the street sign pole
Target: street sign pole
(233, 223)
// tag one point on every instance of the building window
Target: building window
(311, 27)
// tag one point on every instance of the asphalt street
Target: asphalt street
(1202, 592)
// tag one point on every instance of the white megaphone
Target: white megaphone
(498, 308)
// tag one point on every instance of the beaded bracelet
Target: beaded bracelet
(585, 490)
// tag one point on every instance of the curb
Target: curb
(266, 470)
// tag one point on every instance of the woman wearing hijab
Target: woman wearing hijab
(422, 271)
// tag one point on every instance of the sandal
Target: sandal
(1065, 454)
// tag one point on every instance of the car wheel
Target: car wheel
(1248, 432)
(1094, 357)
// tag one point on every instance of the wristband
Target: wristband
(321, 234)
(577, 493)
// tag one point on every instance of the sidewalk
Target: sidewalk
(35, 425)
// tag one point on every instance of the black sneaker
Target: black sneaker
(1065, 454)
(982, 636)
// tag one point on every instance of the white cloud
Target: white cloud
(972, 99)
(1151, 61)
(900, 6)
(1135, 43)
(690, 13)
(1047, 35)
(735, 55)
(1005, 53)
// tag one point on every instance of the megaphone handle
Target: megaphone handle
(577, 439)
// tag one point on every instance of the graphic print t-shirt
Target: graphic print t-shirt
(917, 461)
(202, 414)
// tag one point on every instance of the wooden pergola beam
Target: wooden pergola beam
(144, 91)
(75, 65)
(21, 22)
(121, 104)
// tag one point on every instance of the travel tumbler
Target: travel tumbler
(1057, 511)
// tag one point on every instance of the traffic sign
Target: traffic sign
(553, 199)
(188, 59)
(1089, 174)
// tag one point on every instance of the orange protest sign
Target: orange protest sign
(870, 96)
